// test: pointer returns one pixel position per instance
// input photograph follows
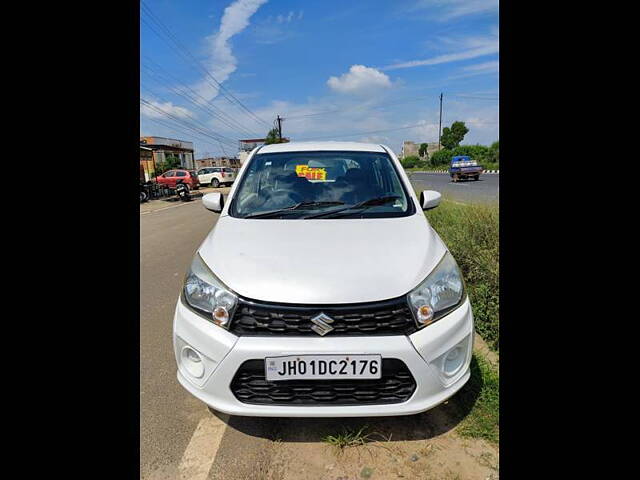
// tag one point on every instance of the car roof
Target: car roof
(321, 146)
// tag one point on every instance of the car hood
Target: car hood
(322, 261)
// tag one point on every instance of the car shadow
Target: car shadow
(431, 423)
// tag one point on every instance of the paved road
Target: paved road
(168, 414)
(179, 436)
(485, 190)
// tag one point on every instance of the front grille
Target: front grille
(390, 317)
(249, 385)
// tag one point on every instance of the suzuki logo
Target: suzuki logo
(322, 322)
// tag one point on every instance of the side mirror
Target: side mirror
(213, 201)
(430, 199)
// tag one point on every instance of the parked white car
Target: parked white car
(216, 176)
(322, 291)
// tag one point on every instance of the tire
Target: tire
(454, 178)
(215, 183)
(476, 178)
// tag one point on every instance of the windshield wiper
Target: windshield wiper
(297, 206)
(372, 202)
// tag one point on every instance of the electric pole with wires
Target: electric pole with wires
(440, 124)
(279, 119)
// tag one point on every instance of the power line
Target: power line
(180, 121)
(183, 131)
(375, 106)
(221, 88)
(193, 97)
(207, 109)
(205, 130)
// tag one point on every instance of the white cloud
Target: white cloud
(468, 47)
(445, 10)
(359, 80)
(168, 107)
(222, 63)
(483, 67)
(289, 18)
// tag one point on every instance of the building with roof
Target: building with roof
(147, 165)
(411, 148)
(162, 148)
(217, 162)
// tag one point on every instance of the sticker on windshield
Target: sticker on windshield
(311, 173)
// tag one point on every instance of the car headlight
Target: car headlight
(439, 293)
(206, 294)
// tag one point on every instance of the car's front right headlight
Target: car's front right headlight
(208, 295)
(439, 293)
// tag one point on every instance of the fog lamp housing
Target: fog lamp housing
(192, 362)
(455, 361)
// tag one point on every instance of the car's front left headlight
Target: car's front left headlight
(439, 293)
(208, 295)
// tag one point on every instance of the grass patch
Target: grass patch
(471, 234)
(481, 397)
(348, 438)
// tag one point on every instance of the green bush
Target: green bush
(441, 157)
(471, 233)
(412, 161)
(480, 153)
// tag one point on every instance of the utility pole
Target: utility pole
(280, 128)
(440, 125)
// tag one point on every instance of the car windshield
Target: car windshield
(306, 184)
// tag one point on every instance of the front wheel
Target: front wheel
(476, 178)
(215, 183)
(454, 178)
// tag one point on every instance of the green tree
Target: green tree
(170, 162)
(422, 151)
(451, 137)
(272, 137)
(494, 152)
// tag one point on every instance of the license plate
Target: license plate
(321, 367)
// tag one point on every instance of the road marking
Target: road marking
(181, 204)
(201, 452)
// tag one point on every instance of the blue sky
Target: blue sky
(360, 70)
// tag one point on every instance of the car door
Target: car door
(180, 175)
(205, 178)
(215, 173)
(164, 179)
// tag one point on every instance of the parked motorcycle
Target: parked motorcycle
(144, 194)
(182, 191)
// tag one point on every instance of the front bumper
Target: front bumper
(223, 352)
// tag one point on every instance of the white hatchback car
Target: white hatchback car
(216, 176)
(322, 291)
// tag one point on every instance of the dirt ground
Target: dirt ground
(424, 446)
(442, 457)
